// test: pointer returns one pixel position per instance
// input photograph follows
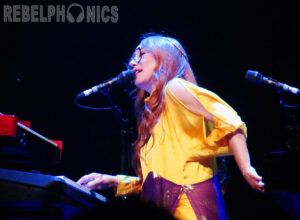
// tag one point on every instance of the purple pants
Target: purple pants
(205, 197)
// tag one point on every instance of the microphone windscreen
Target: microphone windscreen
(254, 76)
(125, 76)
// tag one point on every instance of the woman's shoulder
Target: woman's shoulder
(186, 94)
(178, 85)
(176, 81)
(189, 92)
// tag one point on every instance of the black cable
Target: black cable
(90, 108)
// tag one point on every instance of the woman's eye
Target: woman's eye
(142, 54)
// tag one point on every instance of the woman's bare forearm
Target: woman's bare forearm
(237, 143)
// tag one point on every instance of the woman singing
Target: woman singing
(181, 129)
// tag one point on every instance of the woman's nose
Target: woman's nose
(132, 63)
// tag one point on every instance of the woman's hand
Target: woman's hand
(254, 180)
(237, 143)
(98, 181)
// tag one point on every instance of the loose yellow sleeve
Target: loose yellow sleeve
(226, 121)
(128, 185)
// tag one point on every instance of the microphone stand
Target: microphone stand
(290, 115)
(125, 131)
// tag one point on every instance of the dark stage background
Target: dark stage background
(45, 65)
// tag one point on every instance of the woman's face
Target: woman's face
(143, 64)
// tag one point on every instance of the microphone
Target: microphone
(122, 78)
(256, 77)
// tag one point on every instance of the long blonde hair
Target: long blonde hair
(172, 61)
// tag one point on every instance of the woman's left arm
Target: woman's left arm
(237, 143)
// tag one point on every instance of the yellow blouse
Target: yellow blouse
(184, 142)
